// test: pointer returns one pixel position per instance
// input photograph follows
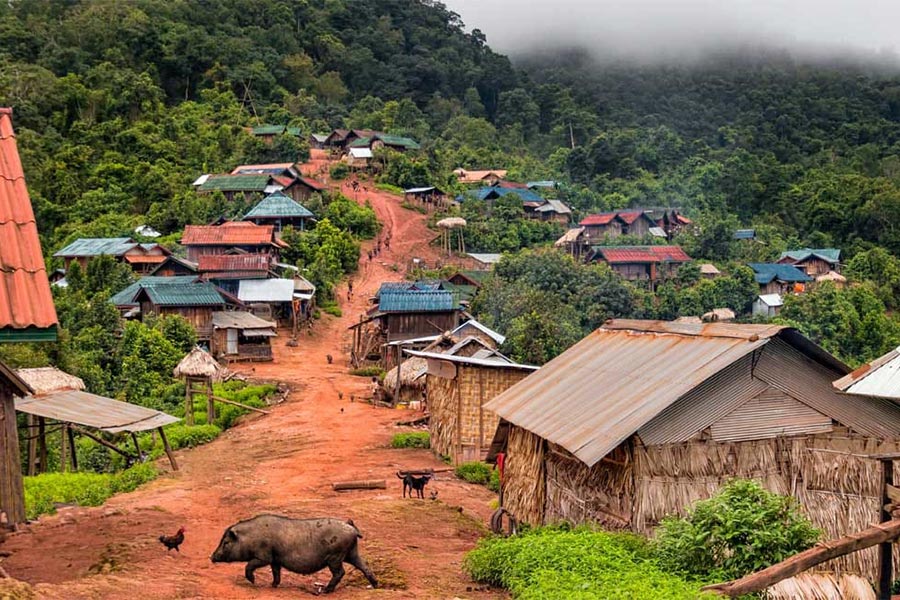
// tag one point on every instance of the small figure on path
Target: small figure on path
(349, 290)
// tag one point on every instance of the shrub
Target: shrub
(332, 309)
(414, 439)
(494, 483)
(368, 372)
(339, 171)
(580, 563)
(474, 472)
(741, 529)
(83, 489)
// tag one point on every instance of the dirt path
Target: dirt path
(283, 462)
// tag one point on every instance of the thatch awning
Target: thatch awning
(46, 380)
(411, 374)
(822, 585)
(451, 222)
(199, 363)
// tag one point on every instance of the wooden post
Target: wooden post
(137, 447)
(71, 439)
(32, 444)
(397, 383)
(168, 449)
(63, 442)
(885, 549)
(210, 405)
(42, 444)
(188, 401)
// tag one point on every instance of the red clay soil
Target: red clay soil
(283, 463)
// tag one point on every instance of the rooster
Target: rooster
(173, 541)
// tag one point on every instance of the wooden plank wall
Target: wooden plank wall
(12, 500)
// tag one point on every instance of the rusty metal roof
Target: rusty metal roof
(232, 233)
(496, 361)
(91, 410)
(233, 262)
(26, 304)
(641, 254)
(596, 394)
(881, 378)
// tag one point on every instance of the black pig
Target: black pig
(299, 545)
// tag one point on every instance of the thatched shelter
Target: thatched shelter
(641, 419)
(412, 380)
(822, 586)
(46, 380)
(199, 370)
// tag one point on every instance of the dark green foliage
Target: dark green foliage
(474, 472)
(325, 253)
(368, 372)
(350, 216)
(415, 439)
(742, 529)
(504, 227)
(579, 563)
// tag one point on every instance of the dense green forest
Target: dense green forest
(119, 106)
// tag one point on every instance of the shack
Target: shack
(779, 278)
(268, 298)
(429, 197)
(196, 302)
(240, 335)
(457, 388)
(641, 419)
(280, 210)
(141, 257)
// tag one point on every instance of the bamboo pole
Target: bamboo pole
(71, 439)
(188, 401)
(42, 443)
(885, 551)
(101, 441)
(32, 444)
(232, 402)
(63, 460)
(168, 449)
(756, 582)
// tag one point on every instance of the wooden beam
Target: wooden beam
(821, 552)
(42, 443)
(73, 454)
(232, 402)
(32, 444)
(101, 441)
(885, 549)
(168, 449)
(370, 484)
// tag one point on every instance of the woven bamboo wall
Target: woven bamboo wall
(524, 482)
(478, 385)
(441, 400)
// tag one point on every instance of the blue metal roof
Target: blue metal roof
(767, 272)
(830, 255)
(126, 296)
(415, 301)
(745, 234)
(488, 193)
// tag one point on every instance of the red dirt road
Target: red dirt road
(283, 462)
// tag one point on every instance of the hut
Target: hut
(813, 261)
(779, 278)
(411, 386)
(427, 197)
(239, 335)
(199, 370)
(641, 419)
(280, 210)
(457, 388)
(12, 496)
(196, 302)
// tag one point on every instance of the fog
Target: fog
(663, 30)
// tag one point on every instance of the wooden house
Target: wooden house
(641, 419)
(240, 335)
(813, 261)
(174, 266)
(242, 187)
(143, 258)
(767, 305)
(488, 177)
(778, 278)
(301, 188)
(429, 197)
(196, 302)
(125, 301)
(280, 210)
(490, 194)
(610, 225)
(269, 298)
(377, 140)
(27, 313)
(358, 158)
(318, 141)
(457, 387)
(269, 133)
(202, 240)
(549, 210)
(641, 263)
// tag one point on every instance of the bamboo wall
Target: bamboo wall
(12, 500)
(441, 402)
(524, 481)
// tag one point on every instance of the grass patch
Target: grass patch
(331, 308)
(368, 372)
(575, 563)
(413, 439)
(479, 473)
(83, 489)
(415, 207)
(386, 187)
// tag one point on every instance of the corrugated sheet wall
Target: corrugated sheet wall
(771, 414)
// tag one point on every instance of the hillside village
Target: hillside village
(468, 321)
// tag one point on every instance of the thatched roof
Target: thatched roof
(199, 363)
(411, 372)
(822, 586)
(451, 222)
(46, 380)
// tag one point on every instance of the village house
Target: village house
(27, 313)
(744, 235)
(240, 335)
(548, 210)
(174, 266)
(767, 305)
(488, 177)
(285, 169)
(196, 302)
(202, 240)
(358, 158)
(142, 258)
(776, 278)
(125, 301)
(641, 263)
(271, 299)
(377, 140)
(340, 139)
(670, 220)
(484, 261)
(267, 133)
(709, 271)
(228, 270)
(243, 187)
(280, 210)
(641, 419)
(457, 387)
(490, 194)
(610, 225)
(318, 141)
(429, 197)
(813, 261)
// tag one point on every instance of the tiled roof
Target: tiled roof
(767, 272)
(268, 130)
(25, 300)
(233, 262)
(97, 247)
(830, 255)
(187, 294)
(232, 233)
(642, 254)
(278, 205)
(235, 183)
(415, 301)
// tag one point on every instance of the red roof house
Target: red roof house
(203, 240)
(635, 263)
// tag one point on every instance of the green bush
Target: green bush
(332, 309)
(83, 489)
(474, 472)
(494, 483)
(579, 563)
(414, 439)
(339, 171)
(387, 187)
(741, 529)
(368, 372)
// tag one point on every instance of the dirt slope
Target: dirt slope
(283, 462)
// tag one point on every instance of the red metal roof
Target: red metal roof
(316, 185)
(25, 299)
(512, 184)
(230, 233)
(145, 259)
(233, 262)
(630, 216)
(598, 219)
(643, 254)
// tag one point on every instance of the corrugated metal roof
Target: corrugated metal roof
(266, 290)
(268, 129)
(239, 319)
(416, 301)
(768, 272)
(771, 414)
(641, 254)
(831, 255)
(235, 183)
(232, 233)
(772, 299)
(555, 206)
(497, 337)
(494, 361)
(486, 258)
(233, 262)
(266, 168)
(97, 247)
(744, 234)
(709, 269)
(311, 183)
(569, 236)
(201, 293)
(95, 411)
(881, 378)
(496, 191)
(278, 205)
(360, 152)
(126, 296)
(419, 190)
(25, 299)
(478, 175)
(598, 219)
(597, 393)
(657, 232)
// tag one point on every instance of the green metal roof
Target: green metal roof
(831, 255)
(126, 296)
(201, 293)
(416, 301)
(294, 131)
(98, 247)
(363, 142)
(28, 334)
(399, 140)
(277, 205)
(236, 183)
(268, 130)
